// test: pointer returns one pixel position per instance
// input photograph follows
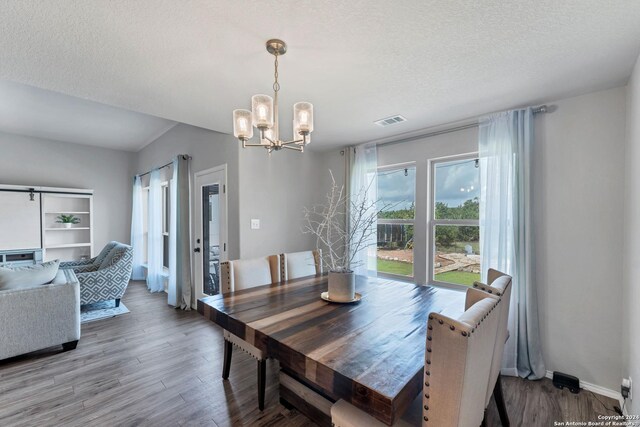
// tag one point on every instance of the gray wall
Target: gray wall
(275, 189)
(631, 271)
(41, 162)
(208, 149)
(578, 173)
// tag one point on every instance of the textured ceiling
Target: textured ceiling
(27, 110)
(431, 61)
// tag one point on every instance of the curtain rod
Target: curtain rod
(536, 110)
(186, 156)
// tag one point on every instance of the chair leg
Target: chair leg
(71, 345)
(117, 302)
(262, 381)
(226, 364)
(502, 408)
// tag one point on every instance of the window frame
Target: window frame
(433, 223)
(390, 221)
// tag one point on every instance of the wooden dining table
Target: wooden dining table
(369, 353)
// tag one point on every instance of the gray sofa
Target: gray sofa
(106, 276)
(40, 316)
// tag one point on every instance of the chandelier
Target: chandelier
(264, 115)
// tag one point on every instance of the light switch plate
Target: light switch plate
(255, 224)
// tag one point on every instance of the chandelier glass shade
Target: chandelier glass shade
(264, 116)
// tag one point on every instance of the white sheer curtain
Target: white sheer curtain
(506, 242)
(180, 235)
(155, 279)
(363, 187)
(137, 230)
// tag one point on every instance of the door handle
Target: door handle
(196, 250)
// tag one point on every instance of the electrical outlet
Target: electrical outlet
(255, 224)
(626, 388)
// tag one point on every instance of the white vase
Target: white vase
(342, 286)
(67, 225)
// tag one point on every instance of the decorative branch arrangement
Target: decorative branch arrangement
(340, 239)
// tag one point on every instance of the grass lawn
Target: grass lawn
(459, 277)
(406, 269)
(400, 268)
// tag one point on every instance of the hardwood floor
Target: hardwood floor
(158, 366)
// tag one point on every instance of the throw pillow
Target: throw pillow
(28, 276)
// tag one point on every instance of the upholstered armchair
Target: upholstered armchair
(106, 276)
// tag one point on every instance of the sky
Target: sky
(396, 189)
(456, 182)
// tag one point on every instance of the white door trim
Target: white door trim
(197, 228)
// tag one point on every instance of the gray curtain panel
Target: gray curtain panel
(180, 281)
(506, 234)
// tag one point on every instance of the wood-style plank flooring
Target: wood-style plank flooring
(158, 366)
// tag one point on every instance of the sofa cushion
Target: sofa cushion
(28, 276)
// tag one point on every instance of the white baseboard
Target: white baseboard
(602, 391)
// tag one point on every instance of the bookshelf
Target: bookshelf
(62, 243)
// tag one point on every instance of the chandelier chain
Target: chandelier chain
(276, 85)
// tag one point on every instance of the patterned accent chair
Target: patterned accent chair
(92, 264)
(500, 285)
(300, 264)
(106, 276)
(245, 274)
(456, 372)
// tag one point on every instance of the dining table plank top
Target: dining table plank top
(370, 353)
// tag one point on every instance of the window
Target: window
(166, 212)
(454, 213)
(396, 202)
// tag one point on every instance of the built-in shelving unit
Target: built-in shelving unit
(64, 243)
(28, 223)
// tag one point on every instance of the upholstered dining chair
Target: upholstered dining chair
(300, 264)
(458, 360)
(498, 284)
(245, 274)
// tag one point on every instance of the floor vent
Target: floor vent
(387, 121)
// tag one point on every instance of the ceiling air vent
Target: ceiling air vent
(387, 121)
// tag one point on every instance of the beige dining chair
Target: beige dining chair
(456, 372)
(245, 274)
(498, 284)
(300, 264)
